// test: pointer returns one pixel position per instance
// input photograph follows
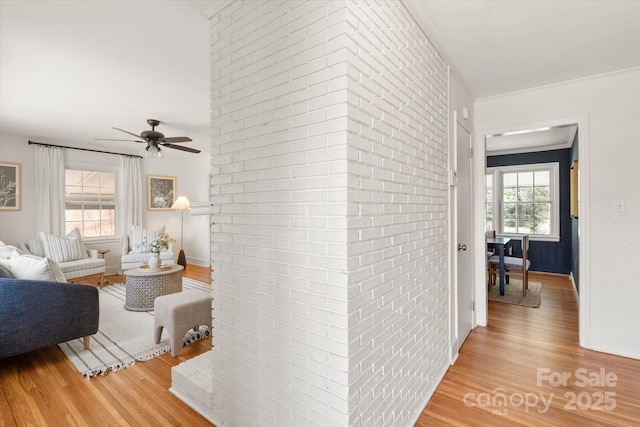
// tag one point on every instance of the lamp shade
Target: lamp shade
(152, 152)
(181, 204)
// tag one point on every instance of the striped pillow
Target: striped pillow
(141, 238)
(62, 249)
(36, 247)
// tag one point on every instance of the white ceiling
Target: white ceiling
(70, 70)
(507, 46)
(499, 47)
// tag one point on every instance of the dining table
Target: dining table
(500, 244)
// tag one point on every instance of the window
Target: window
(524, 199)
(90, 202)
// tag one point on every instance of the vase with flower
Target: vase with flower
(155, 247)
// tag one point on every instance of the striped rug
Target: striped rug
(124, 337)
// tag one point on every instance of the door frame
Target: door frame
(584, 224)
(453, 255)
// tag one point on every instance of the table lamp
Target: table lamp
(182, 204)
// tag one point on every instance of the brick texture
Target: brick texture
(328, 169)
(397, 222)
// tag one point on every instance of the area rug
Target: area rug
(124, 337)
(513, 294)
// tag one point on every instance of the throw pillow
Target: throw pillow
(36, 247)
(57, 271)
(6, 262)
(7, 250)
(61, 249)
(140, 238)
(31, 267)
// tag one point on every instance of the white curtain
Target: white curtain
(50, 190)
(130, 194)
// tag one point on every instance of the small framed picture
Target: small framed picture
(161, 192)
(10, 186)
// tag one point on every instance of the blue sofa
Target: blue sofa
(36, 314)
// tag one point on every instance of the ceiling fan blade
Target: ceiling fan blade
(181, 148)
(126, 131)
(176, 139)
(109, 139)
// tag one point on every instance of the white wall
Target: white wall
(197, 233)
(609, 158)
(19, 226)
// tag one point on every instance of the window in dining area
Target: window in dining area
(524, 199)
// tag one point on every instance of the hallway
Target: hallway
(526, 368)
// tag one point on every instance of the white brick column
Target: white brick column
(329, 246)
(398, 210)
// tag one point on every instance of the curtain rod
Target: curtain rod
(83, 149)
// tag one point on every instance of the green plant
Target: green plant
(159, 244)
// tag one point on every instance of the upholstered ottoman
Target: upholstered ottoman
(178, 313)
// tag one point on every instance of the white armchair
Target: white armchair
(135, 251)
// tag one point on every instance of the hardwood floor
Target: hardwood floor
(503, 360)
(43, 388)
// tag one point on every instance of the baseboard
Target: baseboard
(575, 288)
(201, 262)
(547, 273)
(454, 359)
(620, 346)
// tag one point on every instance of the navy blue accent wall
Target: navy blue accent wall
(552, 257)
(575, 242)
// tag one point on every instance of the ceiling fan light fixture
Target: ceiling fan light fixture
(153, 152)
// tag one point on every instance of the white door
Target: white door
(464, 287)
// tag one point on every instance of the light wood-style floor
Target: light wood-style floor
(503, 360)
(42, 388)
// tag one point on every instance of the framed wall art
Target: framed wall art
(161, 192)
(10, 186)
(573, 177)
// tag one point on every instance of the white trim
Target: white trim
(575, 287)
(102, 239)
(584, 225)
(559, 84)
(201, 208)
(451, 275)
(584, 231)
(554, 178)
(80, 205)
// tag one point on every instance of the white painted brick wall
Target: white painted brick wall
(397, 200)
(279, 240)
(328, 165)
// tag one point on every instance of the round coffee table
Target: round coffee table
(144, 285)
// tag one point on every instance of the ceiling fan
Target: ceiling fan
(155, 139)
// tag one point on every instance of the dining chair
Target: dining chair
(517, 266)
(490, 253)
